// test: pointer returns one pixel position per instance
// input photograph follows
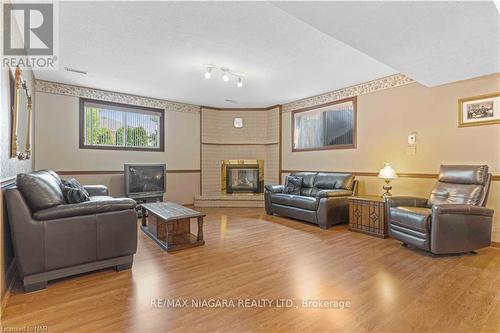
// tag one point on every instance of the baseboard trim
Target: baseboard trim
(495, 244)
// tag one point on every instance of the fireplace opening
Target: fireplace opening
(242, 176)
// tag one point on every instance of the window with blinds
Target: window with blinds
(107, 125)
(327, 126)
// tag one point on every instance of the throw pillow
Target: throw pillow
(293, 185)
(75, 184)
(74, 195)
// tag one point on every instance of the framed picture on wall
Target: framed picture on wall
(326, 126)
(479, 110)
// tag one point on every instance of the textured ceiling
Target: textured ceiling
(432, 42)
(160, 49)
(287, 51)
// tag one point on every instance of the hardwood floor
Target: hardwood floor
(251, 255)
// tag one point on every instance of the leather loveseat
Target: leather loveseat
(53, 239)
(453, 220)
(323, 198)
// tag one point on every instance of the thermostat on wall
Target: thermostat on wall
(238, 122)
(412, 138)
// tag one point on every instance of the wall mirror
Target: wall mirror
(21, 116)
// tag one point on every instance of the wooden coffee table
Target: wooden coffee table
(168, 224)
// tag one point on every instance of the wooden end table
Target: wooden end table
(168, 224)
(367, 215)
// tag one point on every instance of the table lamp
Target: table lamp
(387, 173)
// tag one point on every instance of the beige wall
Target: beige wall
(181, 187)
(260, 127)
(258, 139)
(57, 135)
(9, 168)
(386, 117)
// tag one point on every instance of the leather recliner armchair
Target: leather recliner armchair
(453, 220)
(53, 239)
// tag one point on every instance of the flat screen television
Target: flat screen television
(143, 180)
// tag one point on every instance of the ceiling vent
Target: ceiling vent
(69, 69)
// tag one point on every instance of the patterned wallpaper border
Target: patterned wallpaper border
(111, 96)
(387, 82)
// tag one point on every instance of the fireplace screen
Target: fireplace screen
(242, 179)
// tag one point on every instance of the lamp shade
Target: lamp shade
(387, 172)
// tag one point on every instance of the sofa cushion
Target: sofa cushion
(281, 199)
(41, 189)
(333, 181)
(446, 193)
(293, 185)
(415, 218)
(296, 201)
(463, 174)
(304, 202)
(307, 182)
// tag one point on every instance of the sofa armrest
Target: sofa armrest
(405, 201)
(460, 228)
(333, 193)
(332, 210)
(462, 210)
(95, 190)
(274, 188)
(85, 208)
(27, 234)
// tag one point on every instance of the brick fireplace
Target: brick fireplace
(238, 152)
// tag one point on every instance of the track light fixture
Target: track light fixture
(226, 72)
(208, 73)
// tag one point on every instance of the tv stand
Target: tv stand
(145, 198)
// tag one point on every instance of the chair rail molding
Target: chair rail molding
(375, 174)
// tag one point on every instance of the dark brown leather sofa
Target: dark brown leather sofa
(323, 199)
(53, 239)
(453, 220)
